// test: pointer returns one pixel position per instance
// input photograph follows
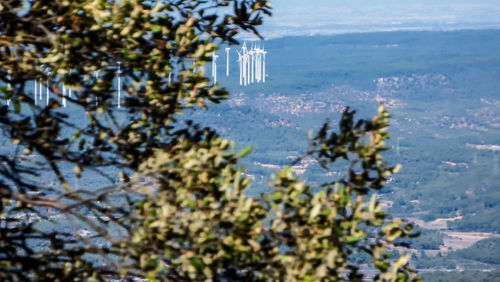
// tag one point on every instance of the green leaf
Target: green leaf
(315, 211)
(382, 265)
(354, 239)
(245, 152)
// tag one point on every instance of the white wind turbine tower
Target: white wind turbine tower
(246, 66)
(118, 73)
(264, 65)
(243, 78)
(40, 91)
(48, 91)
(170, 73)
(8, 86)
(251, 64)
(240, 62)
(64, 95)
(227, 61)
(257, 65)
(214, 66)
(35, 92)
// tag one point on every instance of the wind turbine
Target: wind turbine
(245, 67)
(227, 61)
(248, 68)
(252, 64)
(264, 66)
(40, 91)
(214, 67)
(8, 86)
(258, 65)
(35, 92)
(48, 86)
(240, 62)
(118, 73)
(64, 95)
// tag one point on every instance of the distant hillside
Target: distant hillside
(441, 87)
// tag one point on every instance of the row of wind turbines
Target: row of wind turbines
(40, 89)
(252, 64)
(251, 61)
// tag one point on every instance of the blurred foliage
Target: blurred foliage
(179, 211)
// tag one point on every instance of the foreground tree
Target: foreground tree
(179, 211)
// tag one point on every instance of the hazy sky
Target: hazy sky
(307, 17)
